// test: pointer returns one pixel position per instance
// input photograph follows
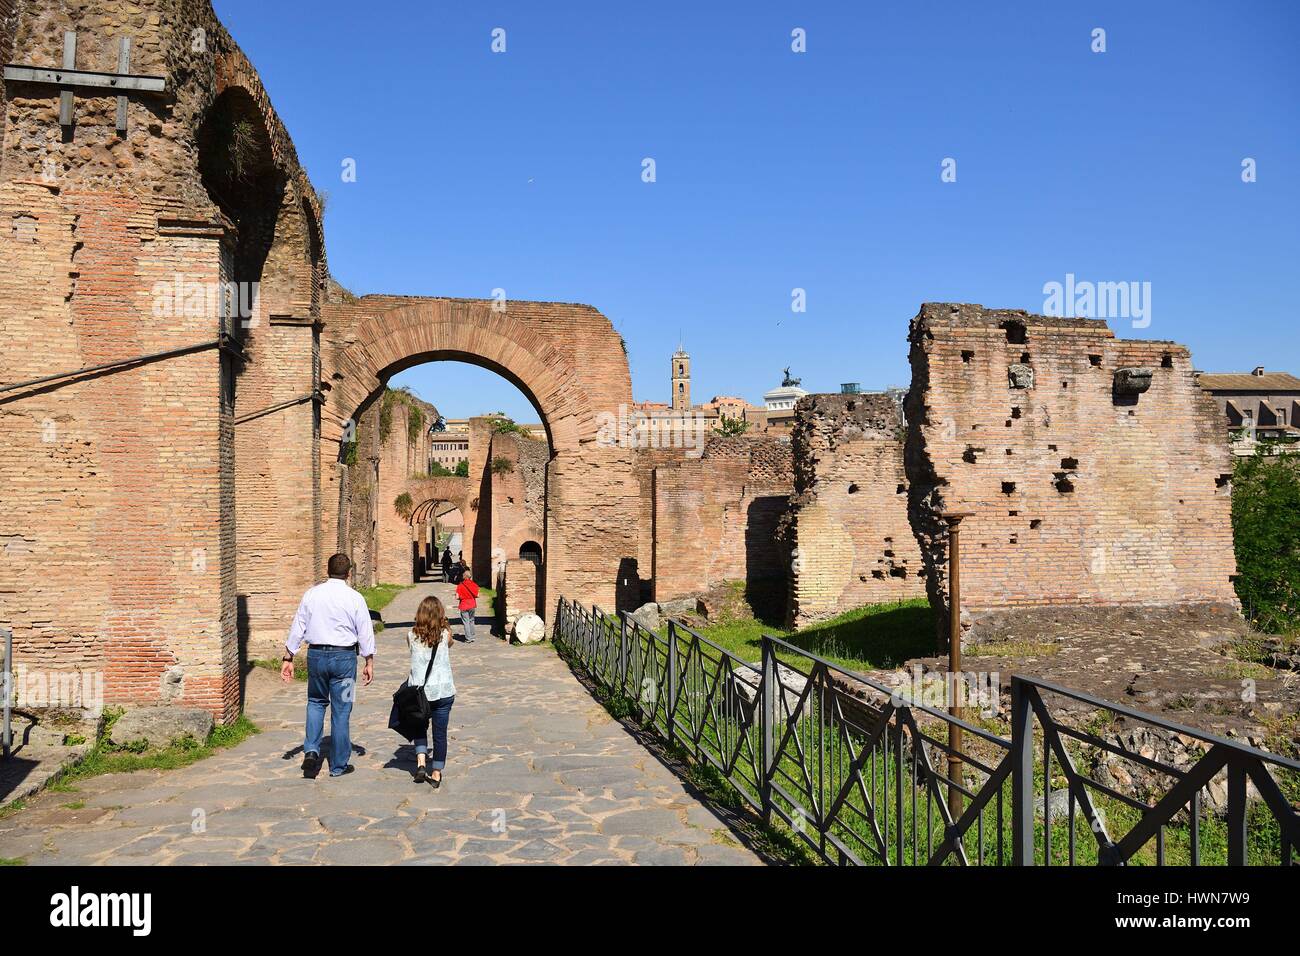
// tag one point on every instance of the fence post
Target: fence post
(768, 688)
(622, 653)
(671, 705)
(1236, 812)
(7, 684)
(1022, 774)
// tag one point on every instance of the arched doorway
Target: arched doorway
(570, 364)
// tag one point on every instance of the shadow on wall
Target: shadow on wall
(242, 633)
(767, 561)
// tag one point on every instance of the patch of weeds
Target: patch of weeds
(9, 809)
(299, 665)
(75, 805)
(12, 861)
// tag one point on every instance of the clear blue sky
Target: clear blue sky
(819, 170)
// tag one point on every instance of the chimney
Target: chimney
(1259, 370)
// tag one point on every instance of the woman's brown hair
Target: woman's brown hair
(430, 622)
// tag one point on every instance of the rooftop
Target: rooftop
(1256, 381)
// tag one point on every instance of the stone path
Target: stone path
(537, 773)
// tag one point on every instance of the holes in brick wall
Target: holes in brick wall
(1051, 448)
(1012, 514)
(901, 490)
(967, 355)
(1008, 487)
(1024, 358)
(1064, 384)
(1015, 411)
(1070, 464)
(24, 228)
(1013, 540)
(1008, 451)
(1035, 523)
(72, 285)
(1166, 361)
(878, 574)
(971, 454)
(1063, 483)
(853, 489)
(1223, 481)
(898, 572)
(1015, 330)
(1094, 361)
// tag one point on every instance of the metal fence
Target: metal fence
(862, 775)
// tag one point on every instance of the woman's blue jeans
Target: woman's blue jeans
(441, 714)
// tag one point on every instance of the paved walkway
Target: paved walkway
(537, 773)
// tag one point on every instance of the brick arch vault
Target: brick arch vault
(570, 363)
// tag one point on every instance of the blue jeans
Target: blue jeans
(332, 679)
(441, 714)
(467, 621)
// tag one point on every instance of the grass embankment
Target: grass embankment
(380, 596)
(866, 638)
(107, 757)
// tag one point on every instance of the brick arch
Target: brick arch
(545, 366)
(452, 490)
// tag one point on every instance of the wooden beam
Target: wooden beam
(86, 79)
(69, 62)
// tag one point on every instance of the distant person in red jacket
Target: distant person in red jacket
(467, 593)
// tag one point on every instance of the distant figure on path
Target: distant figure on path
(431, 636)
(446, 565)
(334, 621)
(467, 594)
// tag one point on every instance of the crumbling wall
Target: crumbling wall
(715, 519)
(847, 530)
(516, 585)
(517, 464)
(1094, 469)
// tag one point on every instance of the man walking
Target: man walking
(334, 621)
(467, 593)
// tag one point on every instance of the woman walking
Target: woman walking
(431, 638)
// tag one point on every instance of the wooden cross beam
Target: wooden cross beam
(69, 79)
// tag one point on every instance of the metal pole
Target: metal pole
(954, 664)
(769, 687)
(7, 683)
(671, 704)
(1022, 775)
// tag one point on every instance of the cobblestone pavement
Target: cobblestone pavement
(537, 773)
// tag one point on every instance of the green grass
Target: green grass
(299, 666)
(380, 596)
(12, 861)
(106, 757)
(866, 638)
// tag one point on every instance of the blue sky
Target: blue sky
(819, 170)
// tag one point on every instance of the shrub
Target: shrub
(1266, 532)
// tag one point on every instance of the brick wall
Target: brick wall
(1079, 494)
(848, 531)
(715, 517)
(118, 520)
(516, 592)
(518, 496)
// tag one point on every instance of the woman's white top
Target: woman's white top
(439, 684)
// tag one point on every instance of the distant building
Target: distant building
(1258, 406)
(780, 402)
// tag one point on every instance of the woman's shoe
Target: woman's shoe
(421, 773)
(436, 782)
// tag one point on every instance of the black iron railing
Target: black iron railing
(863, 775)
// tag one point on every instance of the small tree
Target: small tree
(1266, 533)
(502, 466)
(732, 426)
(462, 468)
(403, 505)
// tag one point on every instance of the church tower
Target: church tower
(681, 381)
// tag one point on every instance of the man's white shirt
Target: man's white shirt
(332, 613)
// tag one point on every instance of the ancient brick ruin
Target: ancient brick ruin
(180, 480)
(1094, 469)
(847, 531)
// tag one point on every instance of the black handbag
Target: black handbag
(411, 711)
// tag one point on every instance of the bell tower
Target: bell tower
(681, 378)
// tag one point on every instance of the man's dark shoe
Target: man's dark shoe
(310, 765)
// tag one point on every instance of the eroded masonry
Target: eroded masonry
(193, 416)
